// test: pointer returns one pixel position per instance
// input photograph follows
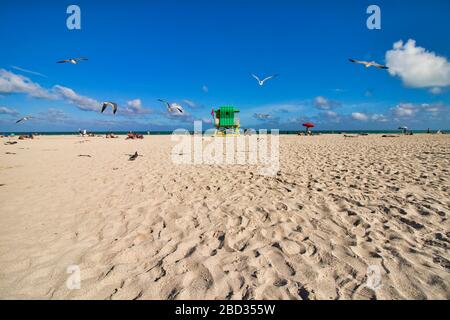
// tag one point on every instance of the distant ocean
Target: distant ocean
(55, 133)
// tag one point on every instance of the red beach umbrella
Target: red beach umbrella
(308, 125)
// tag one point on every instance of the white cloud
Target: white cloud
(436, 90)
(190, 103)
(14, 83)
(261, 116)
(433, 108)
(283, 108)
(360, 116)
(330, 114)
(378, 117)
(417, 67)
(53, 115)
(405, 110)
(82, 102)
(29, 71)
(134, 107)
(420, 111)
(8, 111)
(135, 104)
(324, 103)
(205, 89)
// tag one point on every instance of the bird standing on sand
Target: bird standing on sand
(369, 64)
(72, 60)
(112, 104)
(133, 157)
(261, 82)
(24, 119)
(172, 107)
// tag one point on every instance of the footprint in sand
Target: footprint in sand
(292, 248)
(277, 260)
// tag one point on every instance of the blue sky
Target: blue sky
(200, 55)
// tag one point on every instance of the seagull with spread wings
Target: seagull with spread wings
(72, 60)
(112, 104)
(261, 82)
(172, 107)
(24, 119)
(369, 64)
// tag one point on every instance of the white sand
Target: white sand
(150, 229)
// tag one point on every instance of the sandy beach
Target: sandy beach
(151, 229)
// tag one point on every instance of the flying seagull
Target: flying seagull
(172, 107)
(24, 119)
(261, 82)
(72, 60)
(369, 64)
(112, 104)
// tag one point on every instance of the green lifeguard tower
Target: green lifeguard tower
(226, 121)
